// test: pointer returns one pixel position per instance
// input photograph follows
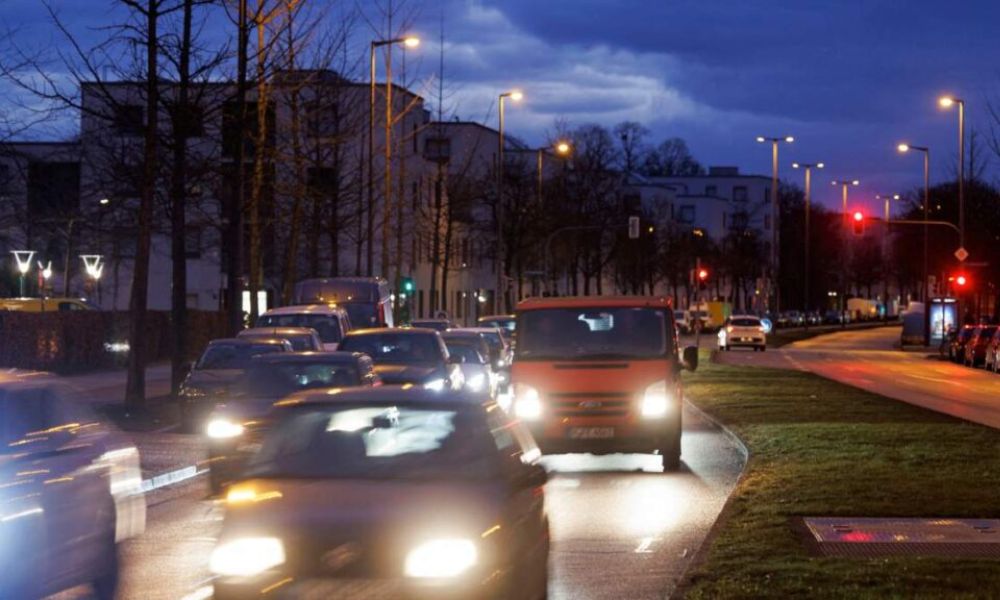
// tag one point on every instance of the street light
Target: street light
(808, 167)
(948, 102)
(885, 247)
(408, 42)
(903, 149)
(500, 300)
(774, 211)
(23, 259)
(562, 149)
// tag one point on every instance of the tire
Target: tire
(670, 457)
(763, 348)
(106, 585)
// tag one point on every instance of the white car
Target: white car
(330, 321)
(743, 330)
(683, 321)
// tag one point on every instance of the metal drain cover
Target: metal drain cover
(866, 537)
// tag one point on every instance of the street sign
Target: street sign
(961, 254)
(633, 228)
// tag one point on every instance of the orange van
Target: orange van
(600, 374)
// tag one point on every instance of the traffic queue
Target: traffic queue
(359, 459)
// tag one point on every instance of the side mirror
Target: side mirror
(690, 358)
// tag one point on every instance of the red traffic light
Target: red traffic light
(961, 280)
(859, 216)
(858, 223)
(703, 274)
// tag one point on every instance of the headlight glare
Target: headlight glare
(527, 402)
(245, 557)
(656, 401)
(434, 384)
(476, 382)
(439, 559)
(223, 428)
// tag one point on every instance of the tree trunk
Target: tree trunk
(436, 238)
(234, 221)
(290, 271)
(259, 166)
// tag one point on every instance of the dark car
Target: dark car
(220, 365)
(956, 349)
(302, 339)
(387, 493)
(408, 355)
(471, 347)
(435, 324)
(60, 520)
(978, 344)
(239, 419)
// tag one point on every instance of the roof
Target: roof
(310, 356)
(247, 341)
(479, 330)
(404, 394)
(276, 331)
(394, 330)
(303, 309)
(489, 317)
(595, 302)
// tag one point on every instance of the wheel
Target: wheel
(106, 585)
(670, 457)
(763, 348)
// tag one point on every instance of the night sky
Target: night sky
(848, 78)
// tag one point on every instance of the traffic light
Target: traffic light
(702, 278)
(406, 286)
(858, 222)
(961, 281)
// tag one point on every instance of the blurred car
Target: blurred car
(435, 324)
(992, 362)
(501, 353)
(507, 324)
(387, 493)
(743, 330)
(329, 320)
(408, 355)
(302, 339)
(794, 318)
(70, 491)
(683, 321)
(474, 352)
(979, 342)
(220, 365)
(237, 421)
(47, 304)
(956, 349)
(836, 317)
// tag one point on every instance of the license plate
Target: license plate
(591, 433)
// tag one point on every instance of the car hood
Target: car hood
(377, 521)
(397, 374)
(211, 381)
(242, 408)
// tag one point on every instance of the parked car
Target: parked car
(471, 347)
(70, 491)
(956, 350)
(435, 324)
(238, 420)
(992, 362)
(220, 365)
(836, 317)
(302, 339)
(46, 304)
(330, 321)
(387, 493)
(979, 342)
(683, 321)
(367, 300)
(742, 330)
(408, 355)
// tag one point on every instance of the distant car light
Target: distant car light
(656, 401)
(245, 557)
(527, 403)
(441, 559)
(435, 385)
(476, 382)
(221, 429)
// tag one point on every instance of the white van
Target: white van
(330, 322)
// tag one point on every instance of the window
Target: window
(740, 193)
(323, 122)
(686, 214)
(711, 190)
(128, 119)
(436, 148)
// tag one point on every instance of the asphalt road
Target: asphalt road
(621, 528)
(868, 359)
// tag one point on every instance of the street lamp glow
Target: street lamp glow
(795, 165)
(903, 147)
(819, 165)
(789, 139)
(104, 201)
(946, 102)
(761, 139)
(516, 95)
(855, 182)
(562, 148)
(411, 41)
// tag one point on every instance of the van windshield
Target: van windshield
(362, 314)
(593, 334)
(327, 326)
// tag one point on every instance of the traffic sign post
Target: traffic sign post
(961, 254)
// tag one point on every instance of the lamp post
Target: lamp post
(774, 211)
(23, 260)
(903, 149)
(844, 184)
(807, 167)
(948, 102)
(562, 149)
(885, 248)
(409, 42)
(500, 300)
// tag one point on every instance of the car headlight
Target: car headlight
(223, 429)
(245, 557)
(434, 384)
(476, 382)
(656, 401)
(527, 402)
(438, 559)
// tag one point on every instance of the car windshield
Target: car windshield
(466, 350)
(395, 347)
(362, 314)
(327, 326)
(593, 333)
(745, 323)
(300, 342)
(506, 324)
(234, 356)
(376, 442)
(279, 379)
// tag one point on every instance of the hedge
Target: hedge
(80, 341)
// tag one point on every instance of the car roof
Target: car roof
(399, 394)
(394, 330)
(277, 331)
(477, 330)
(744, 317)
(302, 309)
(309, 356)
(594, 302)
(464, 333)
(247, 341)
(491, 317)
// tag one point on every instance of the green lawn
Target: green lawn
(820, 448)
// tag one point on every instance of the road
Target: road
(868, 360)
(620, 527)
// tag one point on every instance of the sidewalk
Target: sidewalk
(108, 387)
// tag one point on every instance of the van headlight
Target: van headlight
(221, 429)
(476, 382)
(440, 559)
(527, 402)
(656, 401)
(245, 557)
(435, 385)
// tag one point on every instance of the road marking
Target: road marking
(202, 593)
(644, 546)
(170, 477)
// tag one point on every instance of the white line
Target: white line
(170, 477)
(644, 544)
(202, 593)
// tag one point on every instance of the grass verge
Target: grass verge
(819, 448)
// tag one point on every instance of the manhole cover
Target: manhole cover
(860, 536)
